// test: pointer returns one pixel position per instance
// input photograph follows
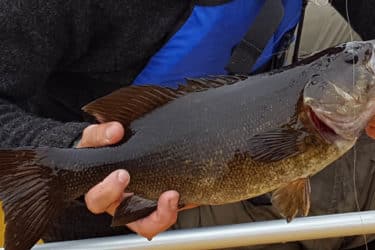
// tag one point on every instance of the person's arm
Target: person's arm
(33, 39)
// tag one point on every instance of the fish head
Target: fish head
(340, 95)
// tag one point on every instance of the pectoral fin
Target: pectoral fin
(131, 209)
(277, 144)
(293, 199)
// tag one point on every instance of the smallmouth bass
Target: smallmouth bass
(215, 140)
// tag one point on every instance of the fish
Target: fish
(215, 140)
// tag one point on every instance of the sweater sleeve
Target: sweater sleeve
(33, 37)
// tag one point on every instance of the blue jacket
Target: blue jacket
(203, 44)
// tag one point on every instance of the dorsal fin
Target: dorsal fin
(130, 103)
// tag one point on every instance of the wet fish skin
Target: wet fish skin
(206, 141)
(213, 145)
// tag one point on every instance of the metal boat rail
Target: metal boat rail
(255, 233)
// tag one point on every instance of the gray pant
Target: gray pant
(332, 189)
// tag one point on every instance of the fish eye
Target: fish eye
(351, 58)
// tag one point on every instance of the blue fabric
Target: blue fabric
(202, 46)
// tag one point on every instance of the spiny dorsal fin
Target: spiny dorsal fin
(130, 103)
(199, 84)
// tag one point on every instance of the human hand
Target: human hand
(108, 194)
(370, 129)
(100, 135)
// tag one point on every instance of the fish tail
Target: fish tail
(29, 191)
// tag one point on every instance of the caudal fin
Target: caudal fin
(27, 191)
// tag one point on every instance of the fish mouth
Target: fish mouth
(332, 126)
(321, 126)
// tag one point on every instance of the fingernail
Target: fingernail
(110, 132)
(123, 176)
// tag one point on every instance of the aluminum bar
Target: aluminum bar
(275, 231)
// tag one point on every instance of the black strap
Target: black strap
(299, 33)
(251, 46)
(211, 2)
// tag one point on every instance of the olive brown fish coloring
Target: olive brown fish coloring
(215, 140)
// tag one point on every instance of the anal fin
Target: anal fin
(293, 199)
(133, 208)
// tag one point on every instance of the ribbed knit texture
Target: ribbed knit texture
(57, 55)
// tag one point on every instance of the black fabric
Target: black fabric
(251, 46)
(299, 32)
(211, 2)
(78, 223)
(56, 56)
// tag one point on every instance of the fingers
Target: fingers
(160, 220)
(109, 193)
(100, 135)
(370, 129)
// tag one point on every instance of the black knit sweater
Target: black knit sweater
(56, 56)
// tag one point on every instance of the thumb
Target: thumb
(370, 129)
(99, 135)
